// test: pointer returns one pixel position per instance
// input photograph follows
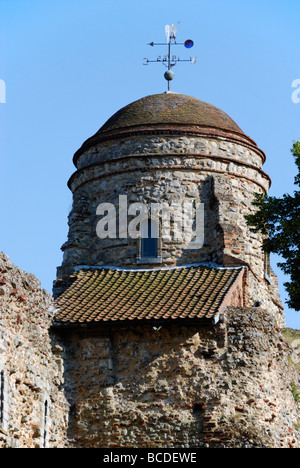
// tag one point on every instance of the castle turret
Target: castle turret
(179, 153)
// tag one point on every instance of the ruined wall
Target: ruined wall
(231, 385)
(33, 409)
(183, 386)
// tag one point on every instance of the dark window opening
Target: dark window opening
(197, 408)
(267, 265)
(149, 245)
(196, 430)
(45, 422)
(1, 397)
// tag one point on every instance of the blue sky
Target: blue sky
(69, 65)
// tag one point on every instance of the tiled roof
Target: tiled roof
(113, 295)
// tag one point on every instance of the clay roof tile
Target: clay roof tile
(105, 295)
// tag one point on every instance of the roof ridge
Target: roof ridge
(211, 265)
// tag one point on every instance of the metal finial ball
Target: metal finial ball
(169, 75)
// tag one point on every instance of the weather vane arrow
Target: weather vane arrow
(168, 60)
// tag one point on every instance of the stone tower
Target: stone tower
(153, 341)
(171, 149)
(166, 344)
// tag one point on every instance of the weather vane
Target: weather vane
(169, 61)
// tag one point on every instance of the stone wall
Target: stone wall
(183, 386)
(34, 412)
(180, 385)
(221, 174)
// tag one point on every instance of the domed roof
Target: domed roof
(167, 113)
(170, 108)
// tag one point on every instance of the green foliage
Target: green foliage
(279, 220)
(295, 392)
(290, 335)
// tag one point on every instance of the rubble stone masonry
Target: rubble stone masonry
(183, 385)
(178, 384)
(34, 411)
(222, 175)
(229, 385)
